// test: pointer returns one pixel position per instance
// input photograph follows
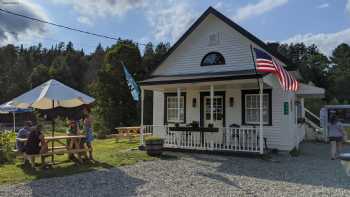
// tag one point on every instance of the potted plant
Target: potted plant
(195, 124)
(301, 120)
(154, 146)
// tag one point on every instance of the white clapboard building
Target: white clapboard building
(206, 93)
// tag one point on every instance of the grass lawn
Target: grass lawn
(108, 153)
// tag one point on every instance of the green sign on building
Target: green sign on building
(286, 108)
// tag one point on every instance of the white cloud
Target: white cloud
(85, 20)
(325, 42)
(257, 9)
(168, 18)
(348, 6)
(323, 5)
(170, 21)
(219, 5)
(16, 30)
(90, 10)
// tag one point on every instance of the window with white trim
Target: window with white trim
(172, 110)
(252, 109)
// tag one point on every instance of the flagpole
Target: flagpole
(261, 116)
(135, 93)
(256, 72)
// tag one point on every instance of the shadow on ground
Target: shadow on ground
(312, 167)
(64, 168)
(97, 183)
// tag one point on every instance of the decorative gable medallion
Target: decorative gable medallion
(215, 38)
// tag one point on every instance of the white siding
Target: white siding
(192, 113)
(233, 114)
(187, 57)
(290, 133)
(158, 108)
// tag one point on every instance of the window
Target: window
(298, 111)
(214, 38)
(218, 108)
(251, 107)
(171, 110)
(213, 58)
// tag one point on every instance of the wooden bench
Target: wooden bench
(31, 158)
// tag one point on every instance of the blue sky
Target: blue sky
(323, 22)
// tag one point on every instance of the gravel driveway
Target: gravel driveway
(311, 174)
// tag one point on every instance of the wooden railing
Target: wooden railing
(245, 139)
(312, 117)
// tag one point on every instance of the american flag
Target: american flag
(266, 63)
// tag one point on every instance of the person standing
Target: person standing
(73, 130)
(36, 144)
(335, 136)
(87, 122)
(23, 133)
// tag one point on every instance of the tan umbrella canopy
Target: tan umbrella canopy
(52, 94)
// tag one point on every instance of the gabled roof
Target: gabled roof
(235, 26)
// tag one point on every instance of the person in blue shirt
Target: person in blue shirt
(23, 133)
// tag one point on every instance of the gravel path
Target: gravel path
(311, 174)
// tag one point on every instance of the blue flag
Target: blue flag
(134, 89)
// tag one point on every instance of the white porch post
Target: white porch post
(211, 104)
(142, 127)
(178, 105)
(261, 122)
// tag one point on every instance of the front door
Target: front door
(218, 110)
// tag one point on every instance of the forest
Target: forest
(100, 74)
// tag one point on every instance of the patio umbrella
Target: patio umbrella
(9, 107)
(50, 95)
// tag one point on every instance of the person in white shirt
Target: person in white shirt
(335, 136)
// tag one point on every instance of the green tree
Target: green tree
(115, 106)
(39, 75)
(340, 73)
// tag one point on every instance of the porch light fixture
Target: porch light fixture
(194, 102)
(232, 101)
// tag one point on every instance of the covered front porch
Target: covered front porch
(208, 115)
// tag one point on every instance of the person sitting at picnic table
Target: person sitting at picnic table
(23, 133)
(87, 125)
(36, 143)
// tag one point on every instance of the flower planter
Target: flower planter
(154, 146)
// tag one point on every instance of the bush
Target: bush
(6, 146)
(294, 152)
(100, 130)
(154, 140)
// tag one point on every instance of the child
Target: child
(73, 130)
(87, 120)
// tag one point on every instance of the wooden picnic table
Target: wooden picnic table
(66, 146)
(126, 132)
(56, 138)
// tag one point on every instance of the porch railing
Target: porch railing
(245, 139)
